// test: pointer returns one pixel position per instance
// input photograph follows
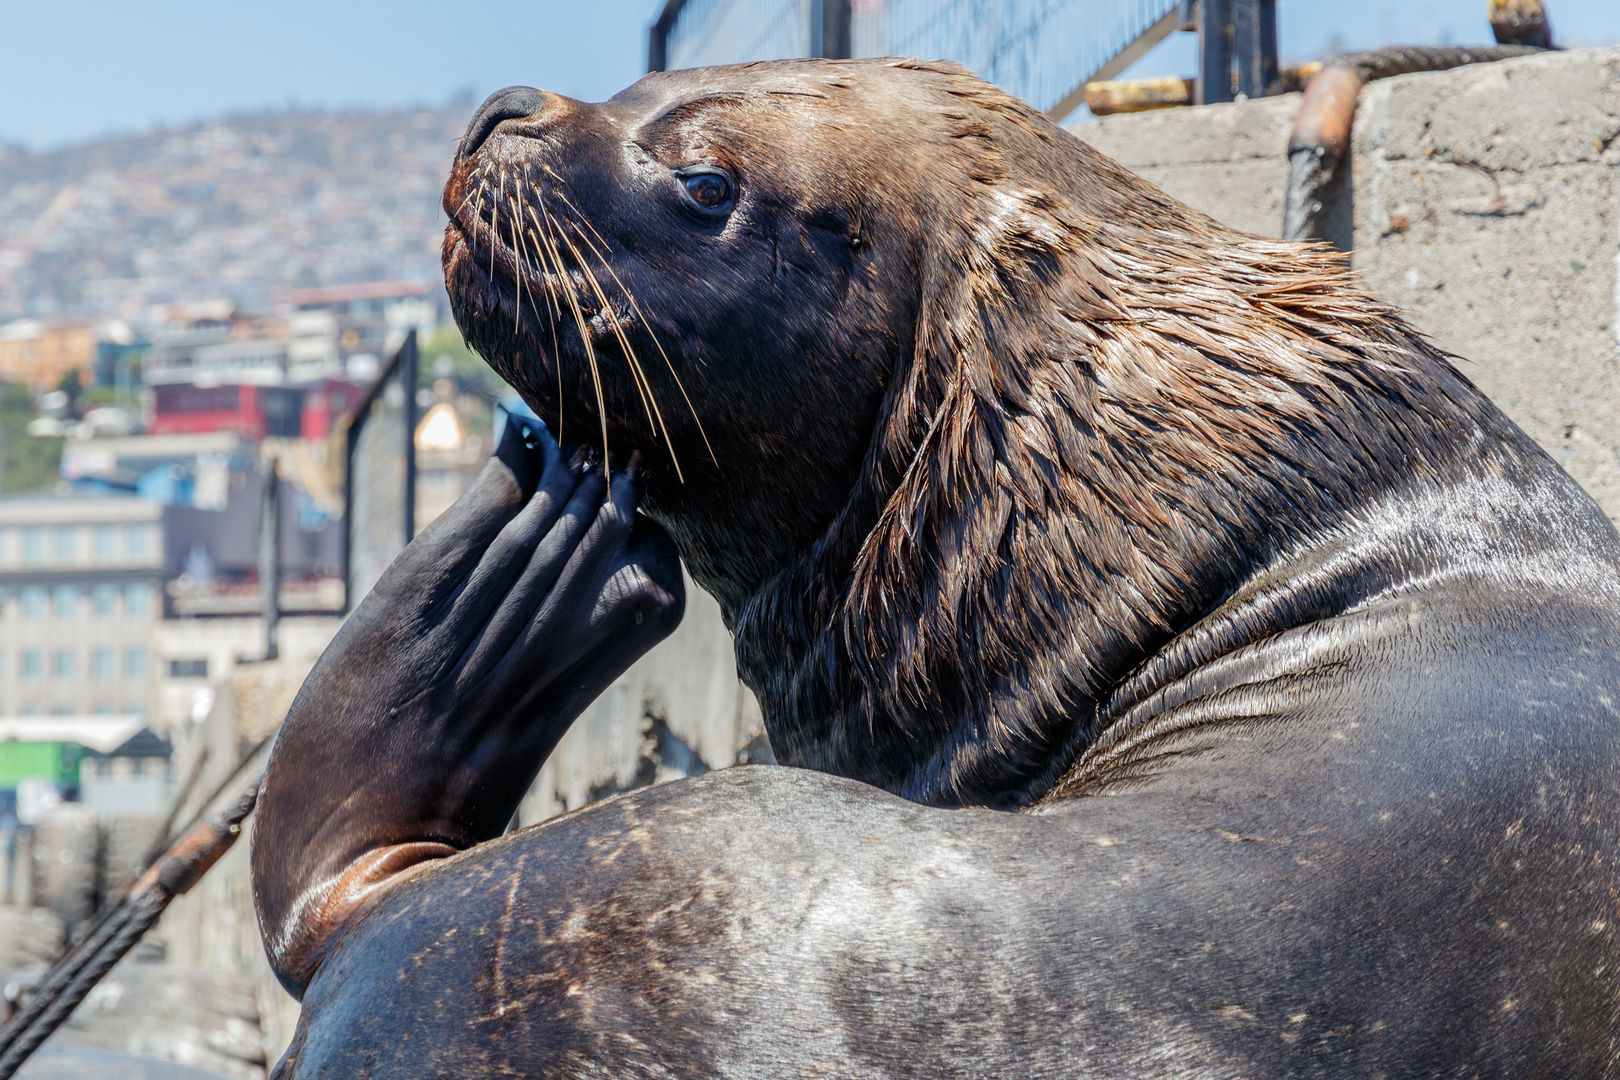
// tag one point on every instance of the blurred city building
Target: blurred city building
(253, 411)
(133, 777)
(80, 597)
(334, 332)
(346, 330)
(39, 353)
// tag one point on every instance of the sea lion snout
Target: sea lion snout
(513, 103)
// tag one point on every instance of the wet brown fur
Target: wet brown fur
(1049, 418)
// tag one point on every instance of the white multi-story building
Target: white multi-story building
(80, 601)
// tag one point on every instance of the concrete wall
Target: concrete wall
(1230, 161)
(1481, 201)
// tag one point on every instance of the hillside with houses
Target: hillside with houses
(244, 208)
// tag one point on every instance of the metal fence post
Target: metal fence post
(400, 367)
(1214, 51)
(658, 35)
(270, 552)
(351, 440)
(407, 378)
(1254, 41)
(657, 54)
(829, 29)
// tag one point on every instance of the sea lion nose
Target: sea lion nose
(513, 103)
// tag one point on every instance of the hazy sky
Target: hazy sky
(74, 69)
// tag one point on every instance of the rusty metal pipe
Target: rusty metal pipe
(1321, 135)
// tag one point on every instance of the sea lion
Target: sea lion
(1188, 671)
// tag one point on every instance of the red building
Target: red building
(252, 411)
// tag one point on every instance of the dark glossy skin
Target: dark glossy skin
(431, 712)
(1296, 659)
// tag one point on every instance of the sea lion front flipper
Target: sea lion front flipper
(426, 719)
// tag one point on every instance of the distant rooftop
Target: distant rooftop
(102, 734)
(48, 508)
(367, 290)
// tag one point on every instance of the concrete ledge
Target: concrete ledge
(1230, 161)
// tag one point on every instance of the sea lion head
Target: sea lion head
(756, 238)
(958, 419)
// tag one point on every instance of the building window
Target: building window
(33, 546)
(135, 541)
(135, 600)
(62, 664)
(64, 545)
(135, 663)
(103, 598)
(30, 665)
(101, 664)
(105, 542)
(62, 598)
(33, 601)
(188, 669)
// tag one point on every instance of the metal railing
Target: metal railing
(379, 497)
(1045, 51)
(700, 33)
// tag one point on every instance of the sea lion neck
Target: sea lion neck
(1071, 478)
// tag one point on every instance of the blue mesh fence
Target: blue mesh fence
(1042, 50)
(733, 31)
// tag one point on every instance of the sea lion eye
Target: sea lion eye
(708, 189)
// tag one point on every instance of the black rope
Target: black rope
(76, 974)
(1407, 59)
(63, 972)
(134, 919)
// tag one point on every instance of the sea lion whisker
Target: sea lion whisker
(539, 243)
(647, 324)
(494, 230)
(552, 315)
(540, 246)
(607, 307)
(644, 390)
(580, 216)
(478, 217)
(549, 237)
(523, 254)
(590, 359)
(517, 278)
(552, 275)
